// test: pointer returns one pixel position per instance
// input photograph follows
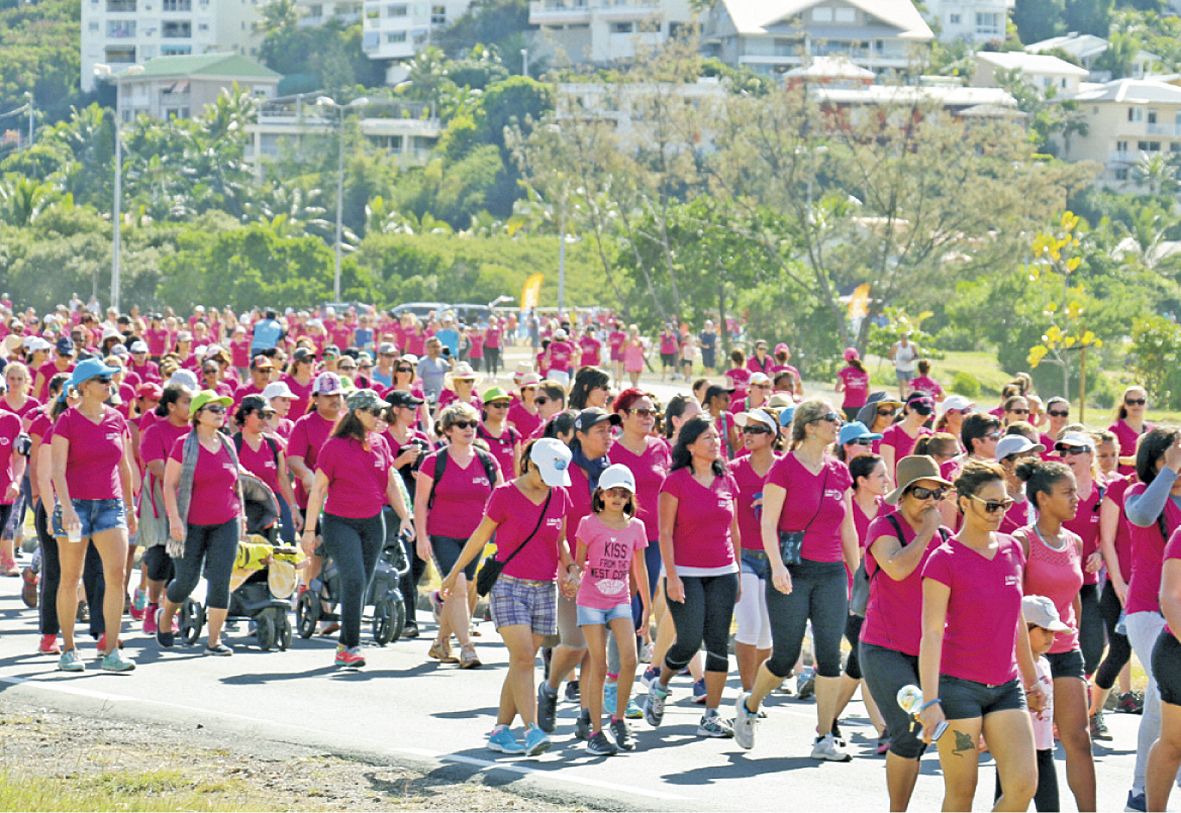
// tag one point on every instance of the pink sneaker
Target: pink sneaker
(150, 619)
(48, 645)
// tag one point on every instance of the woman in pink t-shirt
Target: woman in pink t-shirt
(448, 504)
(974, 655)
(610, 556)
(355, 480)
(262, 454)
(205, 518)
(899, 439)
(633, 356)
(853, 381)
(700, 545)
(807, 493)
(528, 516)
(1054, 569)
(93, 476)
(1130, 425)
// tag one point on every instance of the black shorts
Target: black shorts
(1166, 667)
(668, 359)
(1067, 664)
(886, 671)
(965, 699)
(158, 563)
(446, 550)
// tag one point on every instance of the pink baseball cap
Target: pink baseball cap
(851, 353)
(782, 348)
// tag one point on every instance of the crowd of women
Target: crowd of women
(991, 571)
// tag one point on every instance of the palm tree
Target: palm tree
(1154, 172)
(22, 200)
(277, 15)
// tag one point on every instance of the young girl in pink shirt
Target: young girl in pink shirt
(611, 543)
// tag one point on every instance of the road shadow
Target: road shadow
(739, 766)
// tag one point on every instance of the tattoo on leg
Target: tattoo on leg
(963, 743)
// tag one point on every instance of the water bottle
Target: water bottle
(910, 699)
(1121, 626)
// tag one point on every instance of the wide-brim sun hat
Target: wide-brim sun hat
(910, 470)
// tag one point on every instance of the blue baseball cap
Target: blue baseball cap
(856, 431)
(786, 414)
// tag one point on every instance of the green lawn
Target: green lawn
(164, 790)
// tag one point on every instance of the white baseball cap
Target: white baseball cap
(139, 347)
(617, 475)
(184, 378)
(956, 402)
(1016, 444)
(1041, 612)
(277, 389)
(759, 378)
(552, 458)
(757, 416)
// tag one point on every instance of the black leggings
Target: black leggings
(492, 360)
(1046, 796)
(93, 582)
(1119, 649)
(211, 548)
(1090, 628)
(354, 545)
(705, 615)
(820, 592)
(853, 636)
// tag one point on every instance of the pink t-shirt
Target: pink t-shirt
(526, 422)
(92, 465)
(240, 352)
(516, 516)
(980, 638)
(1128, 438)
(605, 581)
(215, 496)
(862, 521)
(10, 429)
(261, 462)
(739, 376)
(503, 448)
(894, 614)
(492, 337)
(357, 477)
(590, 347)
(460, 496)
(926, 384)
(649, 468)
(856, 383)
(307, 436)
(750, 488)
(1148, 547)
(155, 443)
(668, 344)
(560, 356)
(701, 529)
(1086, 525)
(157, 340)
(303, 395)
(1123, 537)
(1057, 575)
(818, 499)
(902, 443)
(615, 341)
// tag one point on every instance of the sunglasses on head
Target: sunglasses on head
(993, 506)
(643, 413)
(1054, 413)
(755, 430)
(1135, 401)
(463, 425)
(921, 493)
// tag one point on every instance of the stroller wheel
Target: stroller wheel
(284, 631)
(398, 616)
(307, 614)
(264, 630)
(192, 619)
(383, 626)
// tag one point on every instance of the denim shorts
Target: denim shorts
(446, 550)
(1067, 664)
(96, 516)
(756, 562)
(520, 602)
(589, 616)
(965, 699)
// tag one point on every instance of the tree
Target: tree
(1038, 20)
(278, 16)
(502, 25)
(1089, 16)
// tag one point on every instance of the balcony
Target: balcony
(121, 6)
(177, 5)
(177, 30)
(557, 12)
(1164, 129)
(628, 9)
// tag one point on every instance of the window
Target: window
(1175, 146)
(119, 6)
(822, 14)
(399, 10)
(1135, 114)
(175, 50)
(121, 29)
(622, 28)
(1152, 117)
(954, 19)
(395, 36)
(438, 15)
(177, 29)
(178, 5)
(94, 26)
(120, 54)
(845, 15)
(1148, 146)
(1121, 146)
(1121, 174)
(370, 40)
(988, 22)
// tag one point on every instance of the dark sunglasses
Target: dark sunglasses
(216, 409)
(831, 417)
(1135, 401)
(1053, 413)
(540, 400)
(376, 412)
(1066, 451)
(643, 413)
(499, 404)
(346, 366)
(993, 506)
(884, 411)
(463, 425)
(1019, 411)
(860, 442)
(755, 430)
(959, 411)
(920, 493)
(404, 369)
(210, 371)
(993, 436)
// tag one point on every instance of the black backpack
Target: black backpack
(441, 466)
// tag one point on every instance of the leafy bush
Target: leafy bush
(965, 384)
(1156, 358)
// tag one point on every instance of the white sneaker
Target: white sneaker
(827, 748)
(744, 723)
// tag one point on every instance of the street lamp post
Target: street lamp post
(29, 102)
(105, 72)
(524, 62)
(326, 101)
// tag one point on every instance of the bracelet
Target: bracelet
(928, 705)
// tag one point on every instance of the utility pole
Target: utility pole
(29, 101)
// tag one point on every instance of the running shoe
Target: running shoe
(836, 733)
(633, 711)
(1136, 802)
(610, 697)
(150, 619)
(1111, 702)
(699, 692)
(116, 661)
(468, 659)
(1131, 703)
(806, 683)
(536, 741)
(139, 603)
(713, 725)
(501, 740)
(598, 745)
(827, 748)
(409, 632)
(29, 587)
(547, 707)
(622, 733)
(441, 651)
(164, 639)
(744, 722)
(102, 645)
(48, 645)
(220, 650)
(572, 691)
(10, 568)
(70, 662)
(654, 704)
(474, 628)
(350, 657)
(1099, 730)
(582, 726)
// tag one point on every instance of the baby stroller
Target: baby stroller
(264, 575)
(383, 594)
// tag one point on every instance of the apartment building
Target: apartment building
(319, 13)
(773, 36)
(170, 87)
(604, 31)
(976, 21)
(399, 30)
(1049, 74)
(1126, 119)
(1086, 49)
(131, 32)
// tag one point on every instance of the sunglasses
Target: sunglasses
(643, 413)
(540, 400)
(884, 411)
(920, 493)
(463, 425)
(210, 371)
(216, 409)
(1067, 451)
(376, 412)
(499, 404)
(959, 412)
(1135, 401)
(831, 417)
(1053, 413)
(860, 442)
(1019, 411)
(266, 415)
(755, 430)
(993, 436)
(993, 506)
(346, 367)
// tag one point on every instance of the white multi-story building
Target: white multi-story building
(774, 36)
(1049, 74)
(1086, 49)
(130, 32)
(976, 21)
(398, 30)
(318, 13)
(604, 31)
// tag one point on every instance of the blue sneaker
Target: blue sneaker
(70, 662)
(1136, 802)
(501, 740)
(651, 675)
(116, 661)
(610, 697)
(699, 693)
(536, 741)
(634, 712)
